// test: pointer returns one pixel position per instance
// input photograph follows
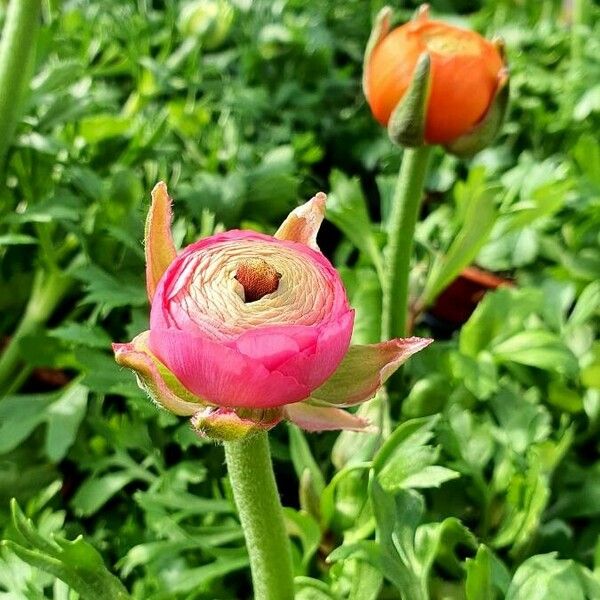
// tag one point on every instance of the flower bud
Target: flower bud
(432, 83)
(248, 329)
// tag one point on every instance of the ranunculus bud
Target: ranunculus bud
(247, 329)
(433, 83)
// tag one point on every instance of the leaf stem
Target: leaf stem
(257, 501)
(401, 230)
(48, 290)
(17, 49)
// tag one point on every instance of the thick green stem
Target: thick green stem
(401, 231)
(17, 50)
(48, 290)
(257, 501)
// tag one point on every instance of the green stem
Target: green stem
(257, 501)
(48, 290)
(401, 230)
(578, 21)
(17, 50)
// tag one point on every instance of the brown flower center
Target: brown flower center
(258, 278)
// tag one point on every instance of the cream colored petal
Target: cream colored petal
(302, 224)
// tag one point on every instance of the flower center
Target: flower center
(258, 278)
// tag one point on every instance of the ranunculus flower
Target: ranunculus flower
(247, 329)
(465, 74)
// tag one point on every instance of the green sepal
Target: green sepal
(406, 126)
(486, 130)
(381, 28)
(228, 424)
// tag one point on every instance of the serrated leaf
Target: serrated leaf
(76, 562)
(62, 411)
(405, 458)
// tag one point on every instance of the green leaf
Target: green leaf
(304, 527)
(499, 315)
(353, 447)
(64, 417)
(109, 291)
(92, 336)
(16, 239)
(62, 411)
(302, 458)
(588, 305)
(76, 562)
(544, 577)
(487, 577)
(537, 348)
(307, 588)
(97, 491)
(311, 479)
(99, 127)
(347, 210)
(477, 221)
(407, 460)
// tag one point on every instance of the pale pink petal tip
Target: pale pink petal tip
(159, 246)
(155, 379)
(225, 424)
(318, 418)
(303, 223)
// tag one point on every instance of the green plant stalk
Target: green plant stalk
(257, 501)
(401, 230)
(48, 290)
(17, 50)
(578, 22)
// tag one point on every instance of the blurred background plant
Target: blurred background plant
(488, 482)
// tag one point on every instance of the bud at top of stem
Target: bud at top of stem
(433, 83)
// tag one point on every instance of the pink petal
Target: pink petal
(155, 379)
(222, 374)
(364, 370)
(302, 224)
(316, 364)
(162, 313)
(226, 424)
(319, 418)
(160, 250)
(273, 346)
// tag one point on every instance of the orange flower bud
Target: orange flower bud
(466, 73)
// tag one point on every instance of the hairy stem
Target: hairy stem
(401, 231)
(17, 50)
(257, 501)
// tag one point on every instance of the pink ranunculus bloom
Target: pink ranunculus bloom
(248, 329)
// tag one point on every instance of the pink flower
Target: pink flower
(247, 329)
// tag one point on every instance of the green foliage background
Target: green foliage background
(488, 482)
